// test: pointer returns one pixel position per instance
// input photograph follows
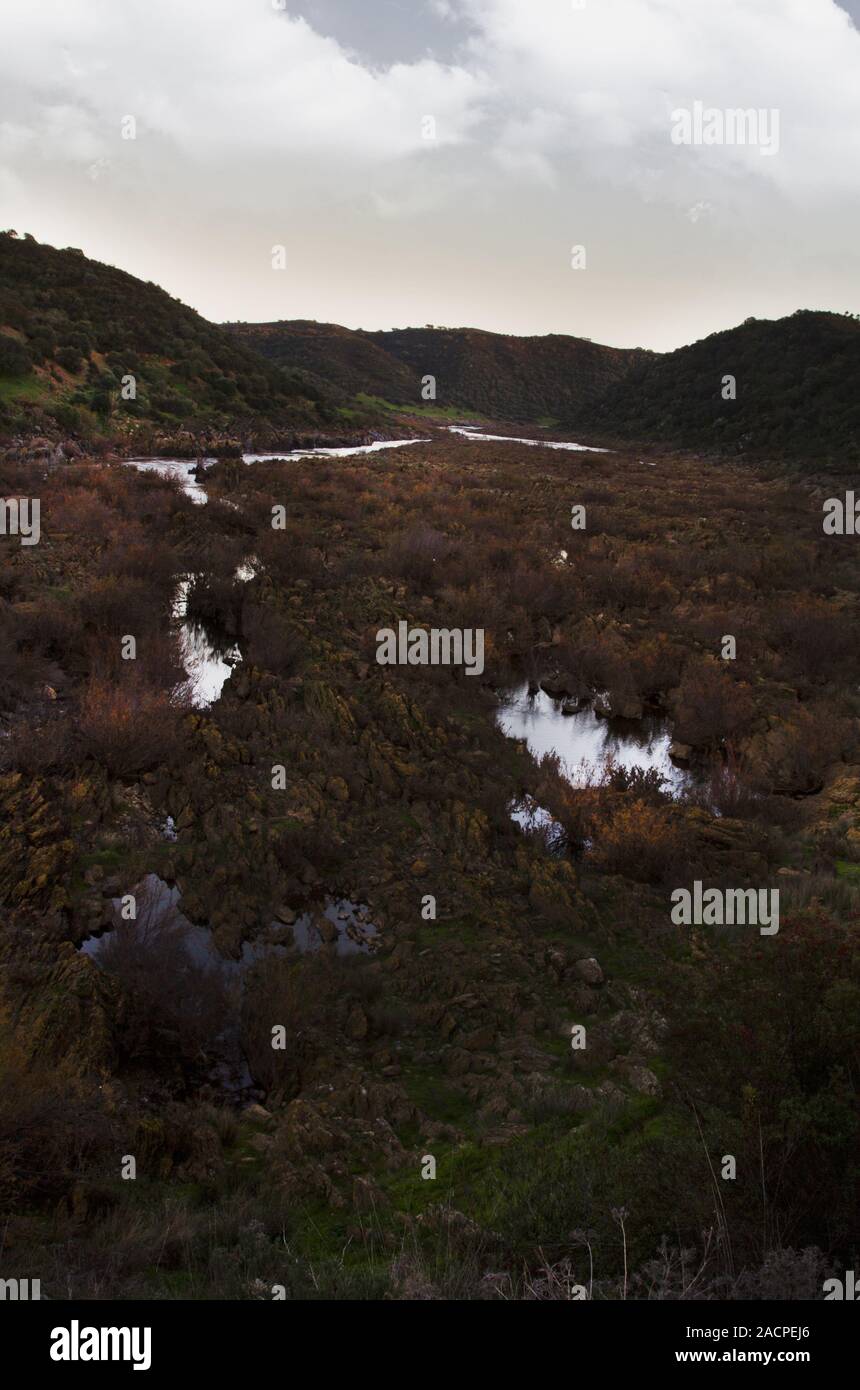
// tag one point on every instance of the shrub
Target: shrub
(643, 842)
(710, 706)
(129, 728)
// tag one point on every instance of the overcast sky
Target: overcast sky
(304, 123)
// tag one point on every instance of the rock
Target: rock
(285, 914)
(257, 1112)
(573, 706)
(357, 1024)
(589, 971)
(603, 707)
(338, 789)
(680, 752)
(640, 1079)
(481, 1040)
(367, 1196)
(326, 928)
(853, 841)
(557, 687)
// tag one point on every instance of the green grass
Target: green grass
(23, 388)
(426, 410)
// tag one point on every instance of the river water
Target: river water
(584, 742)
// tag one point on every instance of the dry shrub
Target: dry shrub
(22, 670)
(51, 1125)
(174, 1000)
(129, 728)
(273, 643)
(118, 604)
(641, 841)
(300, 996)
(655, 666)
(710, 706)
(421, 556)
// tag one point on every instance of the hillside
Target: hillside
(499, 375)
(797, 390)
(72, 328)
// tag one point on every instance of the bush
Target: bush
(175, 1001)
(710, 706)
(640, 840)
(15, 360)
(129, 728)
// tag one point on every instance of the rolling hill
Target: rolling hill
(73, 331)
(797, 384)
(72, 328)
(498, 375)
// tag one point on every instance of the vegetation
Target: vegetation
(497, 375)
(73, 331)
(796, 383)
(452, 1036)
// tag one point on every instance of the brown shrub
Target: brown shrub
(129, 728)
(300, 996)
(175, 1001)
(641, 841)
(710, 705)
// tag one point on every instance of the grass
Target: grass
(23, 388)
(426, 411)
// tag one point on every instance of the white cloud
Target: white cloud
(552, 127)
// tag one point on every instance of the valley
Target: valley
(299, 779)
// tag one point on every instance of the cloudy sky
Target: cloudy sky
(435, 161)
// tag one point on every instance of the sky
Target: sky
(437, 161)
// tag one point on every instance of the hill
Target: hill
(72, 328)
(797, 391)
(498, 375)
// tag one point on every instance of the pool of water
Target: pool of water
(207, 664)
(584, 742)
(469, 433)
(160, 930)
(349, 451)
(343, 924)
(184, 469)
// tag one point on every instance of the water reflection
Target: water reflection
(584, 742)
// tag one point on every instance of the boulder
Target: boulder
(680, 752)
(589, 971)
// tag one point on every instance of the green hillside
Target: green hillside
(797, 383)
(498, 375)
(71, 329)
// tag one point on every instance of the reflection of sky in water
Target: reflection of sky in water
(578, 738)
(469, 433)
(348, 452)
(158, 910)
(208, 666)
(176, 468)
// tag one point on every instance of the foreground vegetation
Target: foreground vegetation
(598, 1167)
